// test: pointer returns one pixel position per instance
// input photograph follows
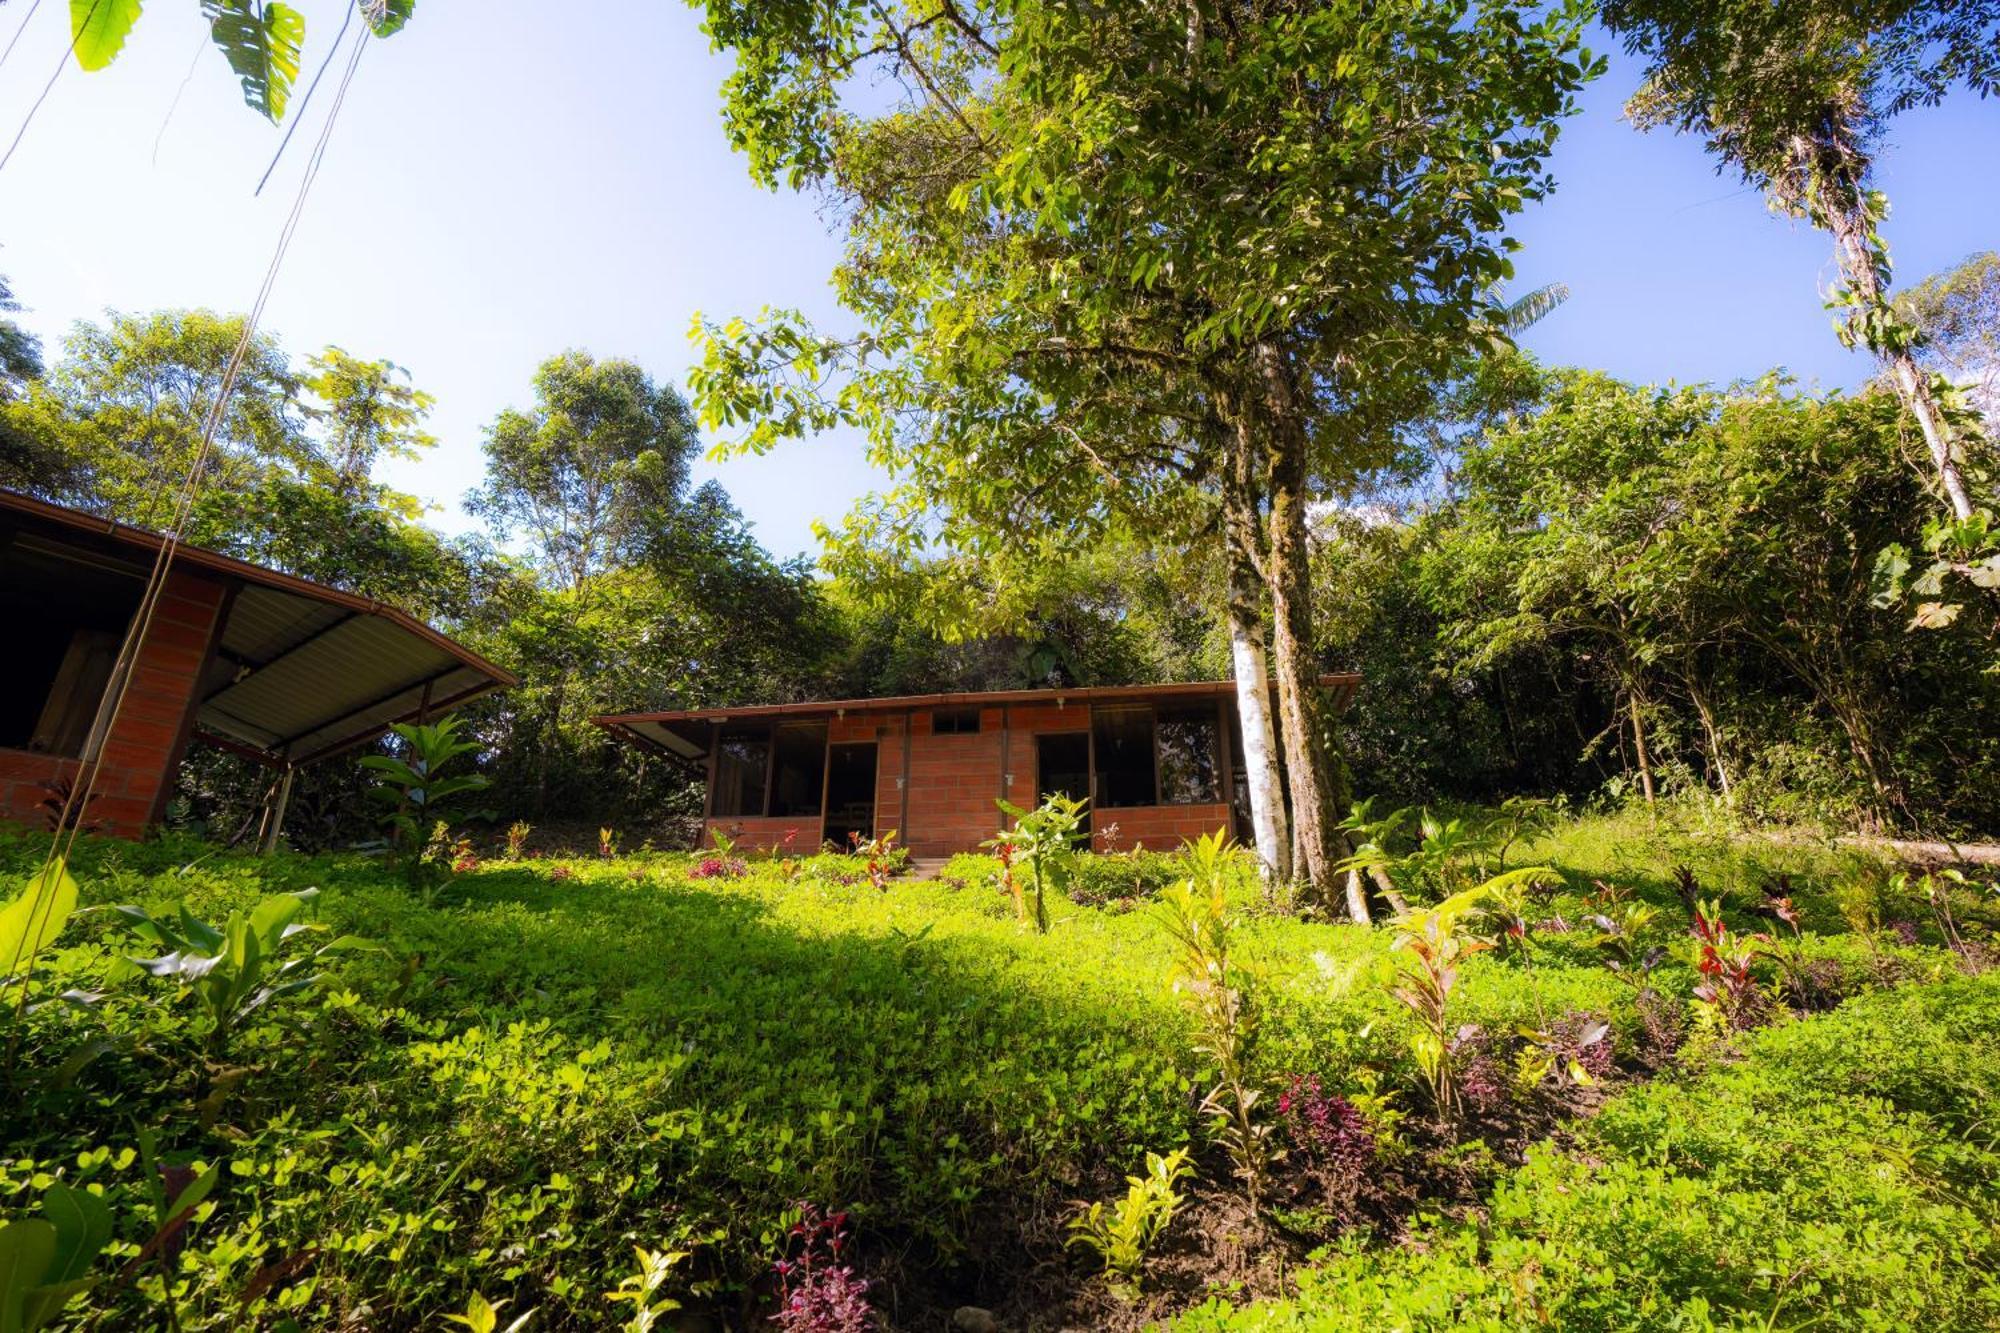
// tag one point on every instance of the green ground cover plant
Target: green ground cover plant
(546, 1066)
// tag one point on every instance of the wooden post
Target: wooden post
(274, 817)
(904, 782)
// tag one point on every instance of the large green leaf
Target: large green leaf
(387, 17)
(26, 1250)
(30, 921)
(261, 43)
(99, 28)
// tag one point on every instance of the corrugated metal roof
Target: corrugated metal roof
(682, 731)
(301, 671)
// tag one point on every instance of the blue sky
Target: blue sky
(504, 184)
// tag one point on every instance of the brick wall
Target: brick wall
(758, 834)
(145, 747)
(955, 779)
(1160, 828)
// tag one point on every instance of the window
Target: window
(787, 763)
(955, 722)
(1123, 738)
(1189, 770)
(798, 753)
(66, 620)
(742, 759)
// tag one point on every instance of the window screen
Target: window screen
(955, 722)
(1189, 770)
(1124, 741)
(799, 754)
(742, 758)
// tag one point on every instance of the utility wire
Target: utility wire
(112, 703)
(299, 112)
(76, 36)
(15, 40)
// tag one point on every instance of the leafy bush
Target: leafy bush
(589, 1059)
(1122, 1234)
(1842, 1170)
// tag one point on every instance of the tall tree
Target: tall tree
(1796, 96)
(1957, 318)
(366, 411)
(1107, 256)
(25, 462)
(582, 473)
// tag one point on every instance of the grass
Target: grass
(553, 1062)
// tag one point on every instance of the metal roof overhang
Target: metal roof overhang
(300, 671)
(684, 732)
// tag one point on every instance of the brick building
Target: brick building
(1158, 763)
(276, 668)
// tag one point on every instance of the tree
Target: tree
(1796, 97)
(1184, 266)
(1956, 315)
(582, 473)
(24, 463)
(127, 403)
(367, 411)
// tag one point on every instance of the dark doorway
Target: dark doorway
(1062, 764)
(850, 794)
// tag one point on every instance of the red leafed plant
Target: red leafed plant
(1723, 958)
(817, 1291)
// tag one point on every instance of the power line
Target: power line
(112, 702)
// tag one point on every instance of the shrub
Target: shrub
(1124, 1233)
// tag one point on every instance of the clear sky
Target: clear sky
(509, 179)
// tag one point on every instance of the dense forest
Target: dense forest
(1557, 584)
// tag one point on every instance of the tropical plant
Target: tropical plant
(483, 1316)
(262, 42)
(28, 923)
(1043, 841)
(641, 1289)
(235, 970)
(1435, 944)
(413, 783)
(517, 839)
(1123, 1234)
(45, 1261)
(818, 1291)
(1215, 989)
(1723, 957)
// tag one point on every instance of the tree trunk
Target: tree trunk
(1707, 716)
(1253, 708)
(1318, 784)
(1842, 208)
(1639, 745)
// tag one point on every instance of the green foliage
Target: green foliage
(483, 1316)
(236, 969)
(1122, 1235)
(30, 921)
(597, 1056)
(414, 785)
(641, 1290)
(261, 40)
(45, 1261)
(99, 28)
(1839, 1167)
(1041, 845)
(1215, 987)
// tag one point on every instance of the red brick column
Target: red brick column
(144, 749)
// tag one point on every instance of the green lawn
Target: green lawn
(552, 1063)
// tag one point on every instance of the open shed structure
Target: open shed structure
(276, 668)
(1157, 762)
